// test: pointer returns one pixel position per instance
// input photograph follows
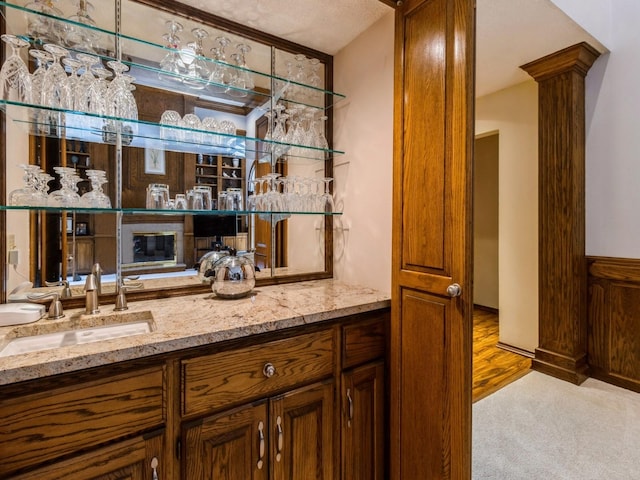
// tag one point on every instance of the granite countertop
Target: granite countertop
(184, 322)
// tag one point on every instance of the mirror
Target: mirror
(159, 248)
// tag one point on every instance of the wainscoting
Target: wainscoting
(614, 320)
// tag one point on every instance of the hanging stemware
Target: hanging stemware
(242, 79)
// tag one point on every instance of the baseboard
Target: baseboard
(486, 309)
(519, 351)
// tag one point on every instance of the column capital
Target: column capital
(577, 58)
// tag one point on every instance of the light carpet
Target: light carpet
(540, 427)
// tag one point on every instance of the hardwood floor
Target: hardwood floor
(493, 367)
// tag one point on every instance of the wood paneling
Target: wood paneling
(562, 350)
(614, 320)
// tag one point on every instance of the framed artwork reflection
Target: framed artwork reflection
(154, 161)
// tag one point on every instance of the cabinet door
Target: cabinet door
(363, 423)
(134, 459)
(229, 446)
(302, 433)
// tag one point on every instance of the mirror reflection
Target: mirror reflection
(192, 118)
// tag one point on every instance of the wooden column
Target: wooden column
(562, 348)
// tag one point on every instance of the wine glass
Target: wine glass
(80, 38)
(198, 71)
(42, 28)
(220, 74)
(55, 92)
(15, 80)
(120, 102)
(25, 195)
(43, 59)
(242, 79)
(82, 91)
(327, 198)
(172, 67)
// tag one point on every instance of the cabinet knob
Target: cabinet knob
(269, 370)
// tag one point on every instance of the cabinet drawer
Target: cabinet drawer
(364, 341)
(41, 426)
(216, 381)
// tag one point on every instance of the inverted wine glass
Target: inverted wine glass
(15, 80)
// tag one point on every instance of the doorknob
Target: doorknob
(454, 290)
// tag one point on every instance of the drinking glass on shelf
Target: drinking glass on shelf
(67, 195)
(72, 79)
(210, 124)
(220, 74)
(23, 196)
(55, 91)
(82, 92)
(172, 68)
(77, 37)
(198, 71)
(157, 196)
(43, 59)
(120, 102)
(171, 119)
(242, 79)
(195, 201)
(180, 202)
(42, 28)
(96, 198)
(207, 200)
(15, 80)
(192, 122)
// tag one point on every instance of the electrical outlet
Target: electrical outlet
(11, 241)
(12, 257)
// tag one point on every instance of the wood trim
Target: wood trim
(614, 320)
(562, 342)
(519, 351)
(3, 187)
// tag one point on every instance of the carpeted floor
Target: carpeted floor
(542, 428)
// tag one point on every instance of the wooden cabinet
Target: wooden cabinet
(306, 403)
(51, 423)
(288, 436)
(363, 423)
(134, 459)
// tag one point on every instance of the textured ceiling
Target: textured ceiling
(510, 33)
(325, 25)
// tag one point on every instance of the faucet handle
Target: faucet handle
(55, 309)
(121, 298)
(66, 290)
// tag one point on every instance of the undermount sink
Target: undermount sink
(75, 331)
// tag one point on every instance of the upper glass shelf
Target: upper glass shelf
(74, 125)
(244, 78)
(265, 215)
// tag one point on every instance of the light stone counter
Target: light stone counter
(185, 322)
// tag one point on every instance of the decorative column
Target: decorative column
(562, 346)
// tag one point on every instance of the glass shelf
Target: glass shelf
(147, 72)
(148, 211)
(81, 126)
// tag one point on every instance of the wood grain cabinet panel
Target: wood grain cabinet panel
(363, 406)
(364, 341)
(42, 426)
(130, 459)
(223, 379)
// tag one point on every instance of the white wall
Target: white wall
(363, 176)
(513, 112)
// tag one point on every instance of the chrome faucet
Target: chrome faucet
(96, 271)
(55, 309)
(91, 295)
(121, 299)
(66, 290)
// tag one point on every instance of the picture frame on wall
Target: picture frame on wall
(81, 228)
(154, 163)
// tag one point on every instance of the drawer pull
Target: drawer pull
(280, 438)
(154, 465)
(350, 413)
(269, 370)
(261, 446)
